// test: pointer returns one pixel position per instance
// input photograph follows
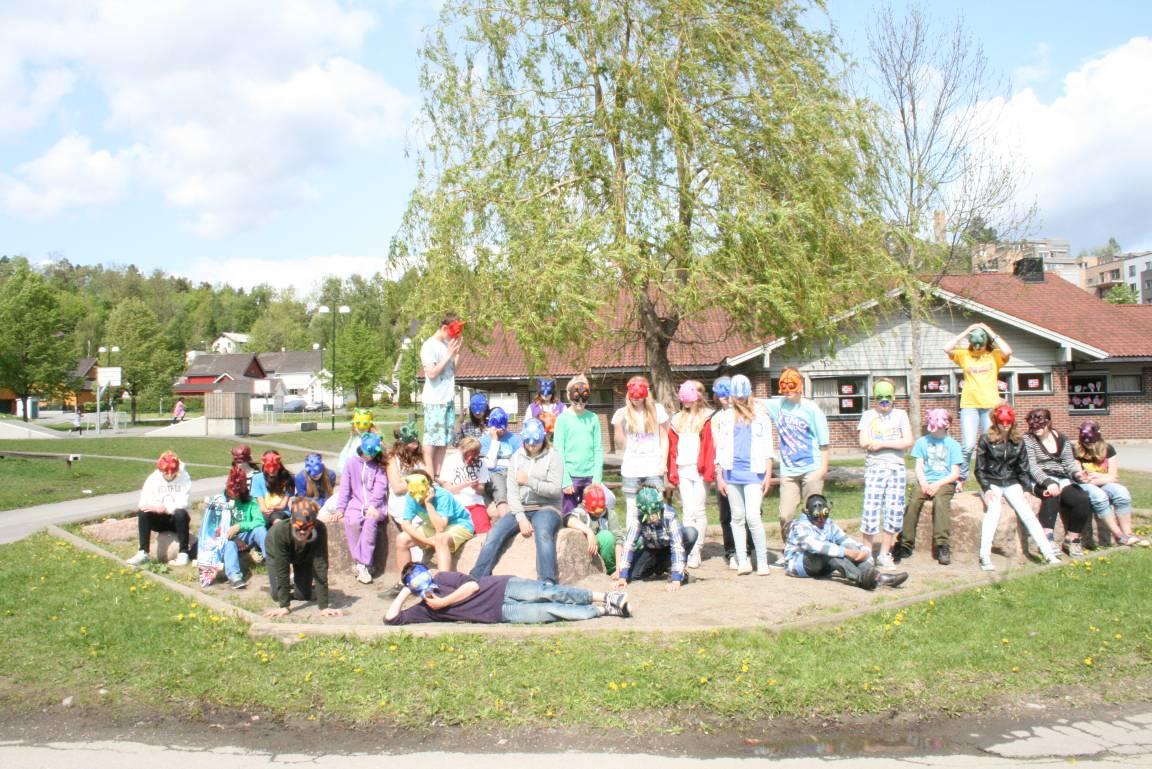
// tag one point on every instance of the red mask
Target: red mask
(168, 463)
(272, 463)
(638, 391)
(456, 328)
(1004, 415)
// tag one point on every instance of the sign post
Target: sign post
(105, 377)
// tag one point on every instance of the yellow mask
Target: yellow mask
(418, 487)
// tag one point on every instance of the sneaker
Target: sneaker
(181, 560)
(892, 578)
(778, 564)
(884, 561)
(745, 568)
(363, 576)
(139, 559)
(393, 591)
(238, 583)
(986, 564)
(256, 554)
(1052, 559)
(764, 571)
(944, 554)
(1075, 549)
(694, 561)
(616, 604)
(732, 563)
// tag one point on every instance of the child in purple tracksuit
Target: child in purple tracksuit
(363, 502)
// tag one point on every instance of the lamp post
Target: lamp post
(341, 310)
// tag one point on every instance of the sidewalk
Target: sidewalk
(19, 523)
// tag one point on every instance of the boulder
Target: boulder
(340, 560)
(164, 545)
(573, 561)
(967, 518)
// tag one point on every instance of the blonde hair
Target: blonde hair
(579, 379)
(468, 443)
(691, 419)
(649, 423)
(745, 411)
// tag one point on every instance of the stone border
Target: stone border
(259, 627)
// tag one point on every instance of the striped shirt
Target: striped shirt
(1049, 468)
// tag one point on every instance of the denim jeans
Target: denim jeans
(254, 538)
(745, 499)
(1105, 497)
(545, 522)
(973, 424)
(531, 602)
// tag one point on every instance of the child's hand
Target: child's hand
(331, 613)
(280, 611)
(525, 527)
(592, 544)
(672, 586)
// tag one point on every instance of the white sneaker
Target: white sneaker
(1052, 559)
(181, 560)
(363, 576)
(986, 564)
(763, 571)
(139, 559)
(744, 568)
(884, 561)
(694, 561)
(733, 564)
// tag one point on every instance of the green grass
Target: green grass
(26, 482)
(72, 622)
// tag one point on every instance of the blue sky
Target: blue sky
(267, 140)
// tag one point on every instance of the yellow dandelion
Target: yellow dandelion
(301, 636)
(703, 679)
(308, 676)
(1004, 641)
(1015, 669)
(391, 647)
(1088, 661)
(1118, 637)
(613, 685)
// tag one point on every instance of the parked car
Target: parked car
(294, 405)
(316, 406)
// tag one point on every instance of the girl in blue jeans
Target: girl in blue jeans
(1098, 458)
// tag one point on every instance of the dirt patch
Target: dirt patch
(28, 718)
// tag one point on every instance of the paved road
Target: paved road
(1096, 744)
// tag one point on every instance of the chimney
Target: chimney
(939, 227)
(1030, 269)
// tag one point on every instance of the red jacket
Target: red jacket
(705, 462)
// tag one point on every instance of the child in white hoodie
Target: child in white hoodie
(164, 507)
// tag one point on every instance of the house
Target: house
(1073, 353)
(265, 377)
(86, 372)
(229, 342)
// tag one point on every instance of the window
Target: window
(1131, 271)
(1087, 392)
(1126, 383)
(936, 384)
(1033, 382)
(841, 395)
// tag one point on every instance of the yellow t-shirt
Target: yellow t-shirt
(980, 372)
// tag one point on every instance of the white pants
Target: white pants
(1015, 496)
(693, 498)
(745, 499)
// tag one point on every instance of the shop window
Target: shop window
(1087, 392)
(841, 395)
(936, 384)
(1033, 382)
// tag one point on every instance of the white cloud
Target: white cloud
(1037, 71)
(68, 175)
(1087, 151)
(231, 108)
(303, 274)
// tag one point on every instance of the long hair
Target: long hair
(642, 420)
(692, 418)
(409, 459)
(745, 411)
(1094, 453)
(997, 433)
(319, 488)
(281, 483)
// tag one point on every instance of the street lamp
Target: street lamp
(341, 310)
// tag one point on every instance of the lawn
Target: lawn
(111, 629)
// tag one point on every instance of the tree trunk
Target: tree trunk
(133, 405)
(915, 314)
(24, 399)
(658, 332)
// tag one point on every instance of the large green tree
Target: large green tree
(36, 356)
(148, 364)
(665, 157)
(362, 360)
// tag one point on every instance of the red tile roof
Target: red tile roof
(702, 342)
(1057, 305)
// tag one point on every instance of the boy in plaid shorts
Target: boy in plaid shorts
(885, 433)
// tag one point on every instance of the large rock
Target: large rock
(383, 562)
(968, 517)
(164, 546)
(519, 560)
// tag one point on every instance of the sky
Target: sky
(253, 141)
